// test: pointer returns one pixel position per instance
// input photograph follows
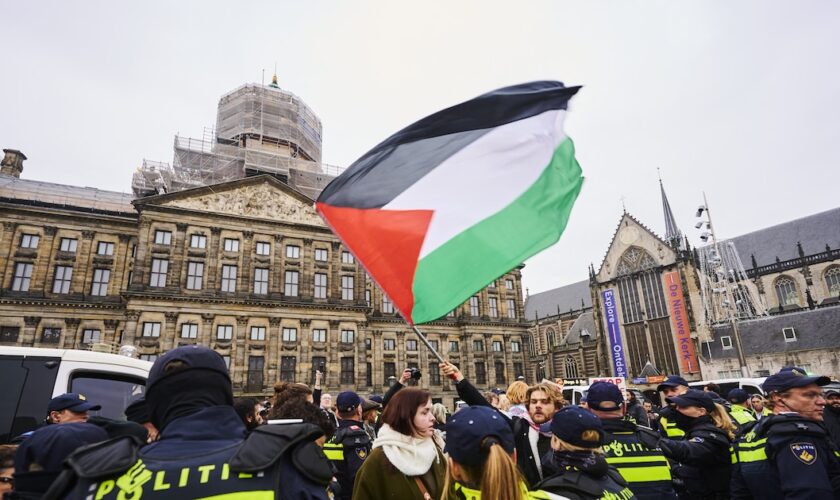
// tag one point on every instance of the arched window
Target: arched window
(634, 259)
(832, 281)
(550, 337)
(786, 291)
(571, 368)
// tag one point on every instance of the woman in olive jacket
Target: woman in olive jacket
(407, 460)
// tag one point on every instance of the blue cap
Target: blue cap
(737, 395)
(672, 381)
(377, 398)
(50, 445)
(604, 392)
(694, 398)
(72, 401)
(472, 430)
(790, 377)
(347, 401)
(193, 356)
(570, 423)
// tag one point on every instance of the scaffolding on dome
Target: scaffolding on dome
(260, 129)
(725, 288)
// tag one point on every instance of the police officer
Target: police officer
(788, 454)
(672, 386)
(738, 410)
(582, 473)
(645, 469)
(70, 407)
(350, 445)
(201, 451)
(701, 461)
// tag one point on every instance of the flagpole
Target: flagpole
(428, 345)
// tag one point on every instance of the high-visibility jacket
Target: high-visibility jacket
(646, 470)
(742, 416)
(782, 457)
(347, 450)
(669, 428)
(462, 492)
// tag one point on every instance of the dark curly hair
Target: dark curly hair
(306, 411)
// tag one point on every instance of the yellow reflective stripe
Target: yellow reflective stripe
(752, 456)
(244, 495)
(645, 474)
(334, 451)
(640, 459)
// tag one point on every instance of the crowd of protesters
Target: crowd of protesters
(188, 437)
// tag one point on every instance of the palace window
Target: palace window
(163, 237)
(91, 336)
(509, 284)
(494, 307)
(347, 258)
(104, 248)
(434, 374)
(263, 248)
(151, 329)
(288, 367)
(261, 281)
(68, 244)
(453, 346)
(195, 275)
(256, 372)
(517, 370)
(198, 241)
(500, 372)
(348, 370)
(478, 346)
(347, 336)
(387, 305)
(789, 333)
(224, 332)
(411, 345)
(389, 344)
(9, 333)
(231, 245)
(189, 331)
(23, 276)
(61, 282)
(291, 284)
(289, 334)
(551, 338)
(292, 252)
(319, 335)
(229, 278)
(435, 345)
(515, 346)
(475, 310)
(159, 269)
(257, 333)
(726, 342)
(29, 241)
(390, 370)
(319, 363)
(51, 335)
(320, 286)
(497, 346)
(99, 287)
(369, 374)
(347, 287)
(511, 308)
(480, 373)
(786, 291)
(321, 254)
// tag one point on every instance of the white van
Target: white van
(31, 376)
(751, 385)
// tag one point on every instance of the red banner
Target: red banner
(679, 320)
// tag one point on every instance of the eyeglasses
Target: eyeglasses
(7, 479)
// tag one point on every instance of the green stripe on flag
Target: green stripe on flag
(472, 259)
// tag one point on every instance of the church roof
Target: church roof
(63, 196)
(815, 329)
(564, 298)
(585, 322)
(814, 232)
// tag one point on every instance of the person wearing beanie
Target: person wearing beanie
(582, 472)
(351, 444)
(645, 469)
(701, 462)
(788, 454)
(481, 465)
(739, 409)
(201, 451)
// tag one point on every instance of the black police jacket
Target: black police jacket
(594, 480)
(201, 455)
(645, 469)
(701, 462)
(785, 457)
(347, 450)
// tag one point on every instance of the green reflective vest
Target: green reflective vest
(741, 415)
(671, 429)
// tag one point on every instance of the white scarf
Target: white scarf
(411, 456)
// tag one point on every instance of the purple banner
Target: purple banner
(614, 334)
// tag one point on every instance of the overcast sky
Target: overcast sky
(739, 99)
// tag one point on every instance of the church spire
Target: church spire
(672, 232)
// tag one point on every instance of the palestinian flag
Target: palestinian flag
(450, 203)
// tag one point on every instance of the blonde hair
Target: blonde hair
(439, 411)
(721, 419)
(516, 392)
(504, 402)
(588, 435)
(499, 477)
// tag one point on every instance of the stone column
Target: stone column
(179, 255)
(304, 363)
(130, 331)
(207, 334)
(119, 273)
(239, 348)
(71, 332)
(211, 270)
(361, 354)
(307, 280)
(275, 273)
(244, 285)
(169, 335)
(112, 332)
(333, 376)
(273, 350)
(7, 250)
(335, 273)
(30, 324)
(82, 268)
(141, 273)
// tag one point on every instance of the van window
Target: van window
(27, 389)
(112, 392)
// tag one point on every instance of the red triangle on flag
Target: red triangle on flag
(386, 242)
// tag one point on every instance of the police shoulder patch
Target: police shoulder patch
(804, 452)
(362, 453)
